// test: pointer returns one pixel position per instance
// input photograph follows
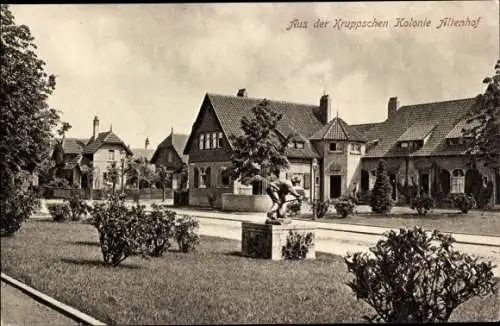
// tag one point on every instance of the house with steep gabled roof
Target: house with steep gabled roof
(209, 145)
(169, 154)
(422, 145)
(85, 161)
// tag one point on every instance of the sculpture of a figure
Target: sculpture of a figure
(277, 191)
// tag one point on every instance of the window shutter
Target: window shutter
(196, 178)
(307, 180)
(207, 172)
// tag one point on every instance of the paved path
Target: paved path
(17, 308)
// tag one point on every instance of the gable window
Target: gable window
(404, 145)
(457, 181)
(335, 147)
(111, 155)
(290, 145)
(202, 141)
(219, 140)
(169, 157)
(214, 140)
(207, 141)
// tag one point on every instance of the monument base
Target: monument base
(268, 240)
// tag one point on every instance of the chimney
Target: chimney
(242, 92)
(392, 107)
(325, 109)
(146, 144)
(96, 127)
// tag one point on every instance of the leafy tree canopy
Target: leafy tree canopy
(259, 152)
(483, 131)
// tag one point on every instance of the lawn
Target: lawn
(213, 285)
(475, 222)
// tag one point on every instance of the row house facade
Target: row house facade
(421, 143)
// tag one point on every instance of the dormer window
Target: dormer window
(299, 144)
(404, 144)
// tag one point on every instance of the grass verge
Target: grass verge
(214, 285)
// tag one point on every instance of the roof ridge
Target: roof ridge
(263, 98)
(438, 102)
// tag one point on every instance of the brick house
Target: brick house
(422, 143)
(85, 161)
(169, 154)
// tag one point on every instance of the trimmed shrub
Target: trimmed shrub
(121, 231)
(211, 200)
(422, 204)
(77, 205)
(297, 245)
(381, 201)
(485, 195)
(416, 276)
(160, 223)
(185, 233)
(59, 183)
(321, 208)
(345, 207)
(464, 202)
(59, 212)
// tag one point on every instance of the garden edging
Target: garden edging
(62, 308)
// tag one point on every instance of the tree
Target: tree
(259, 151)
(381, 200)
(483, 130)
(164, 178)
(112, 174)
(27, 120)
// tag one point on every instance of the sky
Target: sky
(145, 68)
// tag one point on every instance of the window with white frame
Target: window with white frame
(214, 140)
(202, 141)
(202, 178)
(457, 181)
(373, 178)
(207, 141)
(111, 155)
(219, 140)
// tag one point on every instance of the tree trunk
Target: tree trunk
(163, 194)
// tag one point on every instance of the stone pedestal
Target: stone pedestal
(260, 240)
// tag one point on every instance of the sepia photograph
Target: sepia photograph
(250, 163)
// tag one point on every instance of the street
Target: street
(337, 242)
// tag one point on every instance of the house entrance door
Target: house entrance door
(335, 186)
